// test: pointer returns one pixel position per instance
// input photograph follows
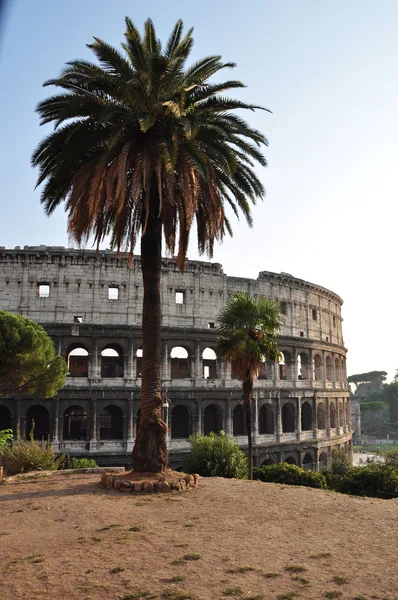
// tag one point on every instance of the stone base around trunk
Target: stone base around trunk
(155, 484)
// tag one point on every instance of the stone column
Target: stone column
(295, 367)
(229, 430)
(93, 432)
(333, 370)
(316, 464)
(166, 374)
(310, 367)
(278, 415)
(314, 418)
(327, 409)
(197, 363)
(129, 360)
(55, 425)
(129, 436)
(95, 371)
(226, 370)
(344, 417)
(200, 418)
(323, 368)
(298, 420)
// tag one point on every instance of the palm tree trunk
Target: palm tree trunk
(150, 451)
(247, 405)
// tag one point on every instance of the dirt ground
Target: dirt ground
(65, 538)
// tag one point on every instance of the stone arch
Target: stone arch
(308, 462)
(38, 415)
(77, 359)
(212, 419)
(266, 423)
(267, 462)
(323, 460)
(288, 418)
(303, 366)
(180, 422)
(75, 423)
(179, 360)
(5, 417)
(285, 366)
(306, 416)
(111, 423)
(290, 460)
(317, 360)
(239, 421)
(112, 361)
(321, 416)
(209, 364)
(329, 368)
(332, 415)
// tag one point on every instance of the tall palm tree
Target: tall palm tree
(142, 145)
(248, 330)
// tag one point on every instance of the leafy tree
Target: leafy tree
(248, 328)
(28, 362)
(390, 396)
(143, 145)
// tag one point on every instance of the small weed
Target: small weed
(301, 580)
(181, 545)
(233, 591)
(176, 578)
(37, 560)
(321, 555)
(256, 597)
(19, 510)
(360, 598)
(295, 569)
(178, 562)
(36, 508)
(339, 579)
(240, 570)
(139, 596)
(188, 525)
(288, 596)
(116, 570)
(332, 594)
(97, 538)
(110, 527)
(175, 595)
(81, 540)
(271, 575)
(135, 528)
(140, 503)
(192, 556)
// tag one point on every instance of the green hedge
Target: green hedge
(215, 455)
(290, 475)
(374, 480)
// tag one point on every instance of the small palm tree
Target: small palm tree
(144, 145)
(248, 330)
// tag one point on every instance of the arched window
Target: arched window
(321, 416)
(138, 362)
(5, 418)
(111, 423)
(179, 363)
(318, 376)
(267, 462)
(75, 423)
(323, 460)
(303, 366)
(180, 422)
(329, 370)
(285, 366)
(288, 418)
(239, 421)
(307, 461)
(266, 424)
(209, 363)
(306, 416)
(290, 460)
(332, 415)
(212, 420)
(77, 361)
(38, 417)
(112, 362)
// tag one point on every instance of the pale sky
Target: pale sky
(327, 70)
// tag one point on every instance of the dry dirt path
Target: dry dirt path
(65, 538)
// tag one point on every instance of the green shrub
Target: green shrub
(6, 437)
(290, 475)
(215, 455)
(340, 462)
(71, 462)
(375, 480)
(24, 456)
(391, 458)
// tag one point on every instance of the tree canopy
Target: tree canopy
(28, 363)
(366, 377)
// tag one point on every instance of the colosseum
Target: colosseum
(90, 304)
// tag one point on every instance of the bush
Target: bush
(215, 455)
(340, 462)
(24, 456)
(6, 437)
(290, 475)
(390, 458)
(375, 480)
(71, 462)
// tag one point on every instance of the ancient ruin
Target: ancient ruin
(91, 304)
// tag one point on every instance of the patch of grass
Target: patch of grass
(192, 556)
(295, 569)
(271, 575)
(140, 503)
(256, 597)
(233, 591)
(340, 580)
(36, 508)
(116, 570)
(321, 555)
(135, 528)
(112, 526)
(80, 540)
(301, 580)
(37, 560)
(175, 595)
(360, 598)
(97, 538)
(332, 594)
(181, 545)
(139, 596)
(176, 578)
(178, 562)
(288, 596)
(240, 570)
(188, 525)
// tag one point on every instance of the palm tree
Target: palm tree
(248, 330)
(142, 145)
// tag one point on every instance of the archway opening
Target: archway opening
(290, 460)
(212, 419)
(180, 422)
(266, 424)
(38, 417)
(77, 361)
(303, 366)
(321, 416)
(112, 362)
(323, 460)
(317, 367)
(111, 423)
(5, 418)
(329, 369)
(285, 366)
(307, 461)
(239, 421)
(332, 415)
(288, 418)
(75, 423)
(179, 363)
(267, 462)
(306, 416)
(209, 363)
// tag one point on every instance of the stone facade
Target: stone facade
(91, 306)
